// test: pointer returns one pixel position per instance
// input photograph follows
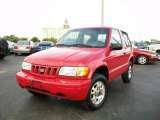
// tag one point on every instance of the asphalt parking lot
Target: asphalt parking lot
(139, 100)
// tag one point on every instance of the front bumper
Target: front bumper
(63, 88)
(158, 57)
(153, 59)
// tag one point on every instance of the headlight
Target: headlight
(73, 71)
(26, 66)
(153, 49)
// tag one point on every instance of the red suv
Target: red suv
(80, 66)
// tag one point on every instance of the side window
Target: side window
(126, 40)
(116, 40)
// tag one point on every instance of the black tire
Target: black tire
(2, 57)
(36, 93)
(96, 79)
(127, 76)
(15, 54)
(142, 59)
(32, 51)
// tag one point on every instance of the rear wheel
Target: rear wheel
(97, 93)
(31, 51)
(142, 60)
(127, 76)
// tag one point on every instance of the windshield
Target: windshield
(91, 37)
(23, 43)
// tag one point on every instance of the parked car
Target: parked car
(154, 47)
(3, 48)
(141, 45)
(10, 46)
(80, 66)
(158, 52)
(142, 56)
(43, 46)
(23, 47)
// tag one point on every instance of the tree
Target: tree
(147, 42)
(23, 38)
(155, 41)
(54, 40)
(35, 39)
(11, 38)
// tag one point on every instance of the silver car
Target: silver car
(23, 47)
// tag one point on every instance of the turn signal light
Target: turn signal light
(28, 47)
(15, 47)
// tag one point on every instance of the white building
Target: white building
(56, 32)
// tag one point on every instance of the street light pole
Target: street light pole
(102, 13)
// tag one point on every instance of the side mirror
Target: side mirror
(115, 47)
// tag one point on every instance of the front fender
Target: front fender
(95, 66)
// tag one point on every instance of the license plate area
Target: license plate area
(36, 85)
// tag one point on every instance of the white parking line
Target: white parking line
(3, 71)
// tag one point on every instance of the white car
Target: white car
(155, 47)
(23, 47)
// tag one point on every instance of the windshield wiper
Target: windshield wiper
(72, 45)
(82, 45)
(61, 45)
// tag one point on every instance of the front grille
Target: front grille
(44, 70)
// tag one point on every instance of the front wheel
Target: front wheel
(97, 93)
(1, 57)
(142, 60)
(127, 76)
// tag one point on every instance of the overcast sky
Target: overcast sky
(26, 18)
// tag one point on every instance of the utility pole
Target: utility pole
(102, 13)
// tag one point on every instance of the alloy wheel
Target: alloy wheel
(97, 93)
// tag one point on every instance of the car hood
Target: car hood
(63, 56)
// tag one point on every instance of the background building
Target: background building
(57, 33)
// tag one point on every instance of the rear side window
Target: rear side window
(116, 39)
(126, 39)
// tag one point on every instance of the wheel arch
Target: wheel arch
(132, 60)
(103, 70)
